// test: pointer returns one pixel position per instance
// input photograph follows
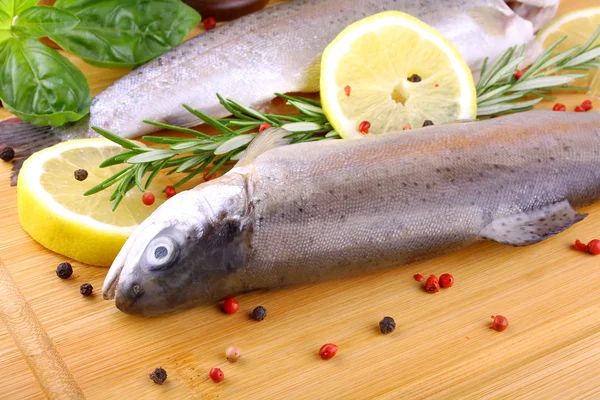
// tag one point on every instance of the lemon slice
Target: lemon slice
(578, 26)
(393, 71)
(53, 210)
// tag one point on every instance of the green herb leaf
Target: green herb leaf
(234, 143)
(16, 7)
(125, 33)
(41, 86)
(36, 22)
(5, 26)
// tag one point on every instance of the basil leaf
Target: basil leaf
(5, 21)
(42, 21)
(124, 33)
(15, 7)
(41, 86)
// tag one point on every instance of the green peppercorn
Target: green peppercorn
(86, 289)
(427, 123)
(159, 376)
(7, 154)
(259, 313)
(81, 174)
(64, 270)
(414, 78)
(387, 325)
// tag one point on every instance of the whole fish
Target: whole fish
(275, 50)
(313, 211)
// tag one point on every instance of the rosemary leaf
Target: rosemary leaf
(233, 144)
(150, 156)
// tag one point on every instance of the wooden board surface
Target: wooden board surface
(441, 348)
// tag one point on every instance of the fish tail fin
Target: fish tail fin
(25, 139)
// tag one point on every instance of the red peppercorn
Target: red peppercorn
(499, 324)
(216, 375)
(364, 127)
(209, 23)
(559, 107)
(328, 351)
(446, 280)
(437, 85)
(579, 109)
(348, 90)
(419, 277)
(170, 192)
(593, 247)
(518, 74)
(587, 105)
(432, 284)
(263, 127)
(580, 246)
(210, 178)
(230, 305)
(148, 198)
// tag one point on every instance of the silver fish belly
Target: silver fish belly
(315, 211)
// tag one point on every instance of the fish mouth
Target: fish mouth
(125, 301)
(538, 12)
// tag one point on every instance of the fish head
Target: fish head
(186, 253)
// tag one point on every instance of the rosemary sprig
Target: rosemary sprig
(499, 91)
(194, 155)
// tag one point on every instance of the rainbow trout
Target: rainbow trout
(275, 50)
(312, 211)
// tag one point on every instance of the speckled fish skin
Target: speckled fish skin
(278, 50)
(314, 211)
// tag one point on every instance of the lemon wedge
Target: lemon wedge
(54, 212)
(391, 71)
(578, 26)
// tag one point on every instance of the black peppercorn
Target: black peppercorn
(159, 376)
(414, 78)
(7, 154)
(86, 289)
(64, 270)
(427, 123)
(81, 174)
(387, 325)
(259, 313)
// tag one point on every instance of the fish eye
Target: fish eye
(161, 253)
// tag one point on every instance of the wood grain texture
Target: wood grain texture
(441, 348)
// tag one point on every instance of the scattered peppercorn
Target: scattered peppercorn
(432, 284)
(499, 324)
(427, 123)
(348, 90)
(328, 351)
(446, 280)
(414, 78)
(264, 127)
(148, 198)
(159, 376)
(230, 305)
(559, 107)
(580, 246)
(593, 247)
(587, 105)
(170, 191)
(579, 109)
(364, 127)
(86, 289)
(216, 375)
(437, 85)
(387, 325)
(80, 174)
(7, 154)
(209, 23)
(259, 313)
(419, 277)
(233, 353)
(518, 74)
(64, 270)
(406, 128)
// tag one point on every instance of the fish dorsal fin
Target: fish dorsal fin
(265, 141)
(530, 227)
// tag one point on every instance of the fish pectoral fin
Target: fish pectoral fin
(269, 139)
(530, 227)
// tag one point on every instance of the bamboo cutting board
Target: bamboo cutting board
(72, 346)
